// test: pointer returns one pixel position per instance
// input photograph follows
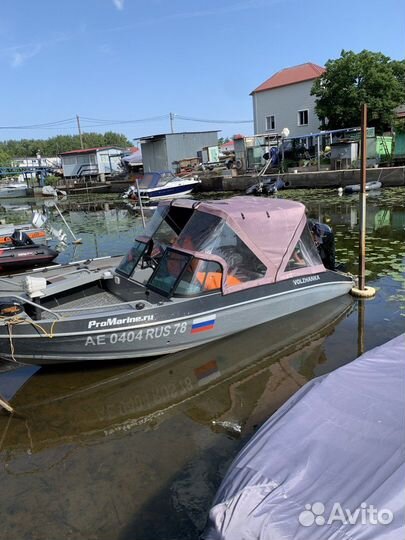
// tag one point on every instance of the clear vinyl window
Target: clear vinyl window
(305, 252)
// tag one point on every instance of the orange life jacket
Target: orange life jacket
(213, 280)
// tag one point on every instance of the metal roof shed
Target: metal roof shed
(161, 152)
(91, 162)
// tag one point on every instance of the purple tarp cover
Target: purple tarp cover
(329, 465)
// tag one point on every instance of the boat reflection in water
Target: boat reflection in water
(155, 437)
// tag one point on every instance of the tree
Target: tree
(4, 158)
(61, 143)
(354, 79)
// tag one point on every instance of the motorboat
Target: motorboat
(266, 186)
(13, 190)
(356, 188)
(328, 464)
(23, 252)
(202, 270)
(161, 185)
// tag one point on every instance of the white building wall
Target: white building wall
(284, 103)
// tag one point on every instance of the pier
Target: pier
(389, 176)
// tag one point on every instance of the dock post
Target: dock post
(363, 180)
(361, 290)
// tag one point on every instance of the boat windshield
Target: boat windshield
(132, 258)
(166, 224)
(180, 274)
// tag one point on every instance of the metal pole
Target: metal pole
(360, 326)
(318, 148)
(171, 122)
(80, 132)
(363, 180)
(140, 202)
(282, 156)
(6, 405)
(77, 240)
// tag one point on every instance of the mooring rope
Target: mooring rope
(12, 321)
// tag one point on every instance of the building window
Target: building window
(270, 123)
(303, 117)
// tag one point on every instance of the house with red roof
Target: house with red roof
(284, 101)
(95, 163)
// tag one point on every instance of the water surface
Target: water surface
(137, 450)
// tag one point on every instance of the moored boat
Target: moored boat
(13, 190)
(6, 232)
(161, 185)
(355, 188)
(201, 271)
(22, 252)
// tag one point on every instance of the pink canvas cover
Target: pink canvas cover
(270, 227)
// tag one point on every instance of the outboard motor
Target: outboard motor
(325, 242)
(20, 239)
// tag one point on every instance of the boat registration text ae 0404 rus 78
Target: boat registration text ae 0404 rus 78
(142, 334)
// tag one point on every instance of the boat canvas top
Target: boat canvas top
(338, 441)
(258, 234)
(155, 179)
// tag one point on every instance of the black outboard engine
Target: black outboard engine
(20, 239)
(325, 242)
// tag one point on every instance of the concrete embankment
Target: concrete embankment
(389, 176)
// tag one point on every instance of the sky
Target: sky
(124, 65)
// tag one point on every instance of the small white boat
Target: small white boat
(50, 191)
(161, 185)
(356, 188)
(13, 190)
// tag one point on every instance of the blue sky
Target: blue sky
(121, 60)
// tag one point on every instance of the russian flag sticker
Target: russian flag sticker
(202, 324)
